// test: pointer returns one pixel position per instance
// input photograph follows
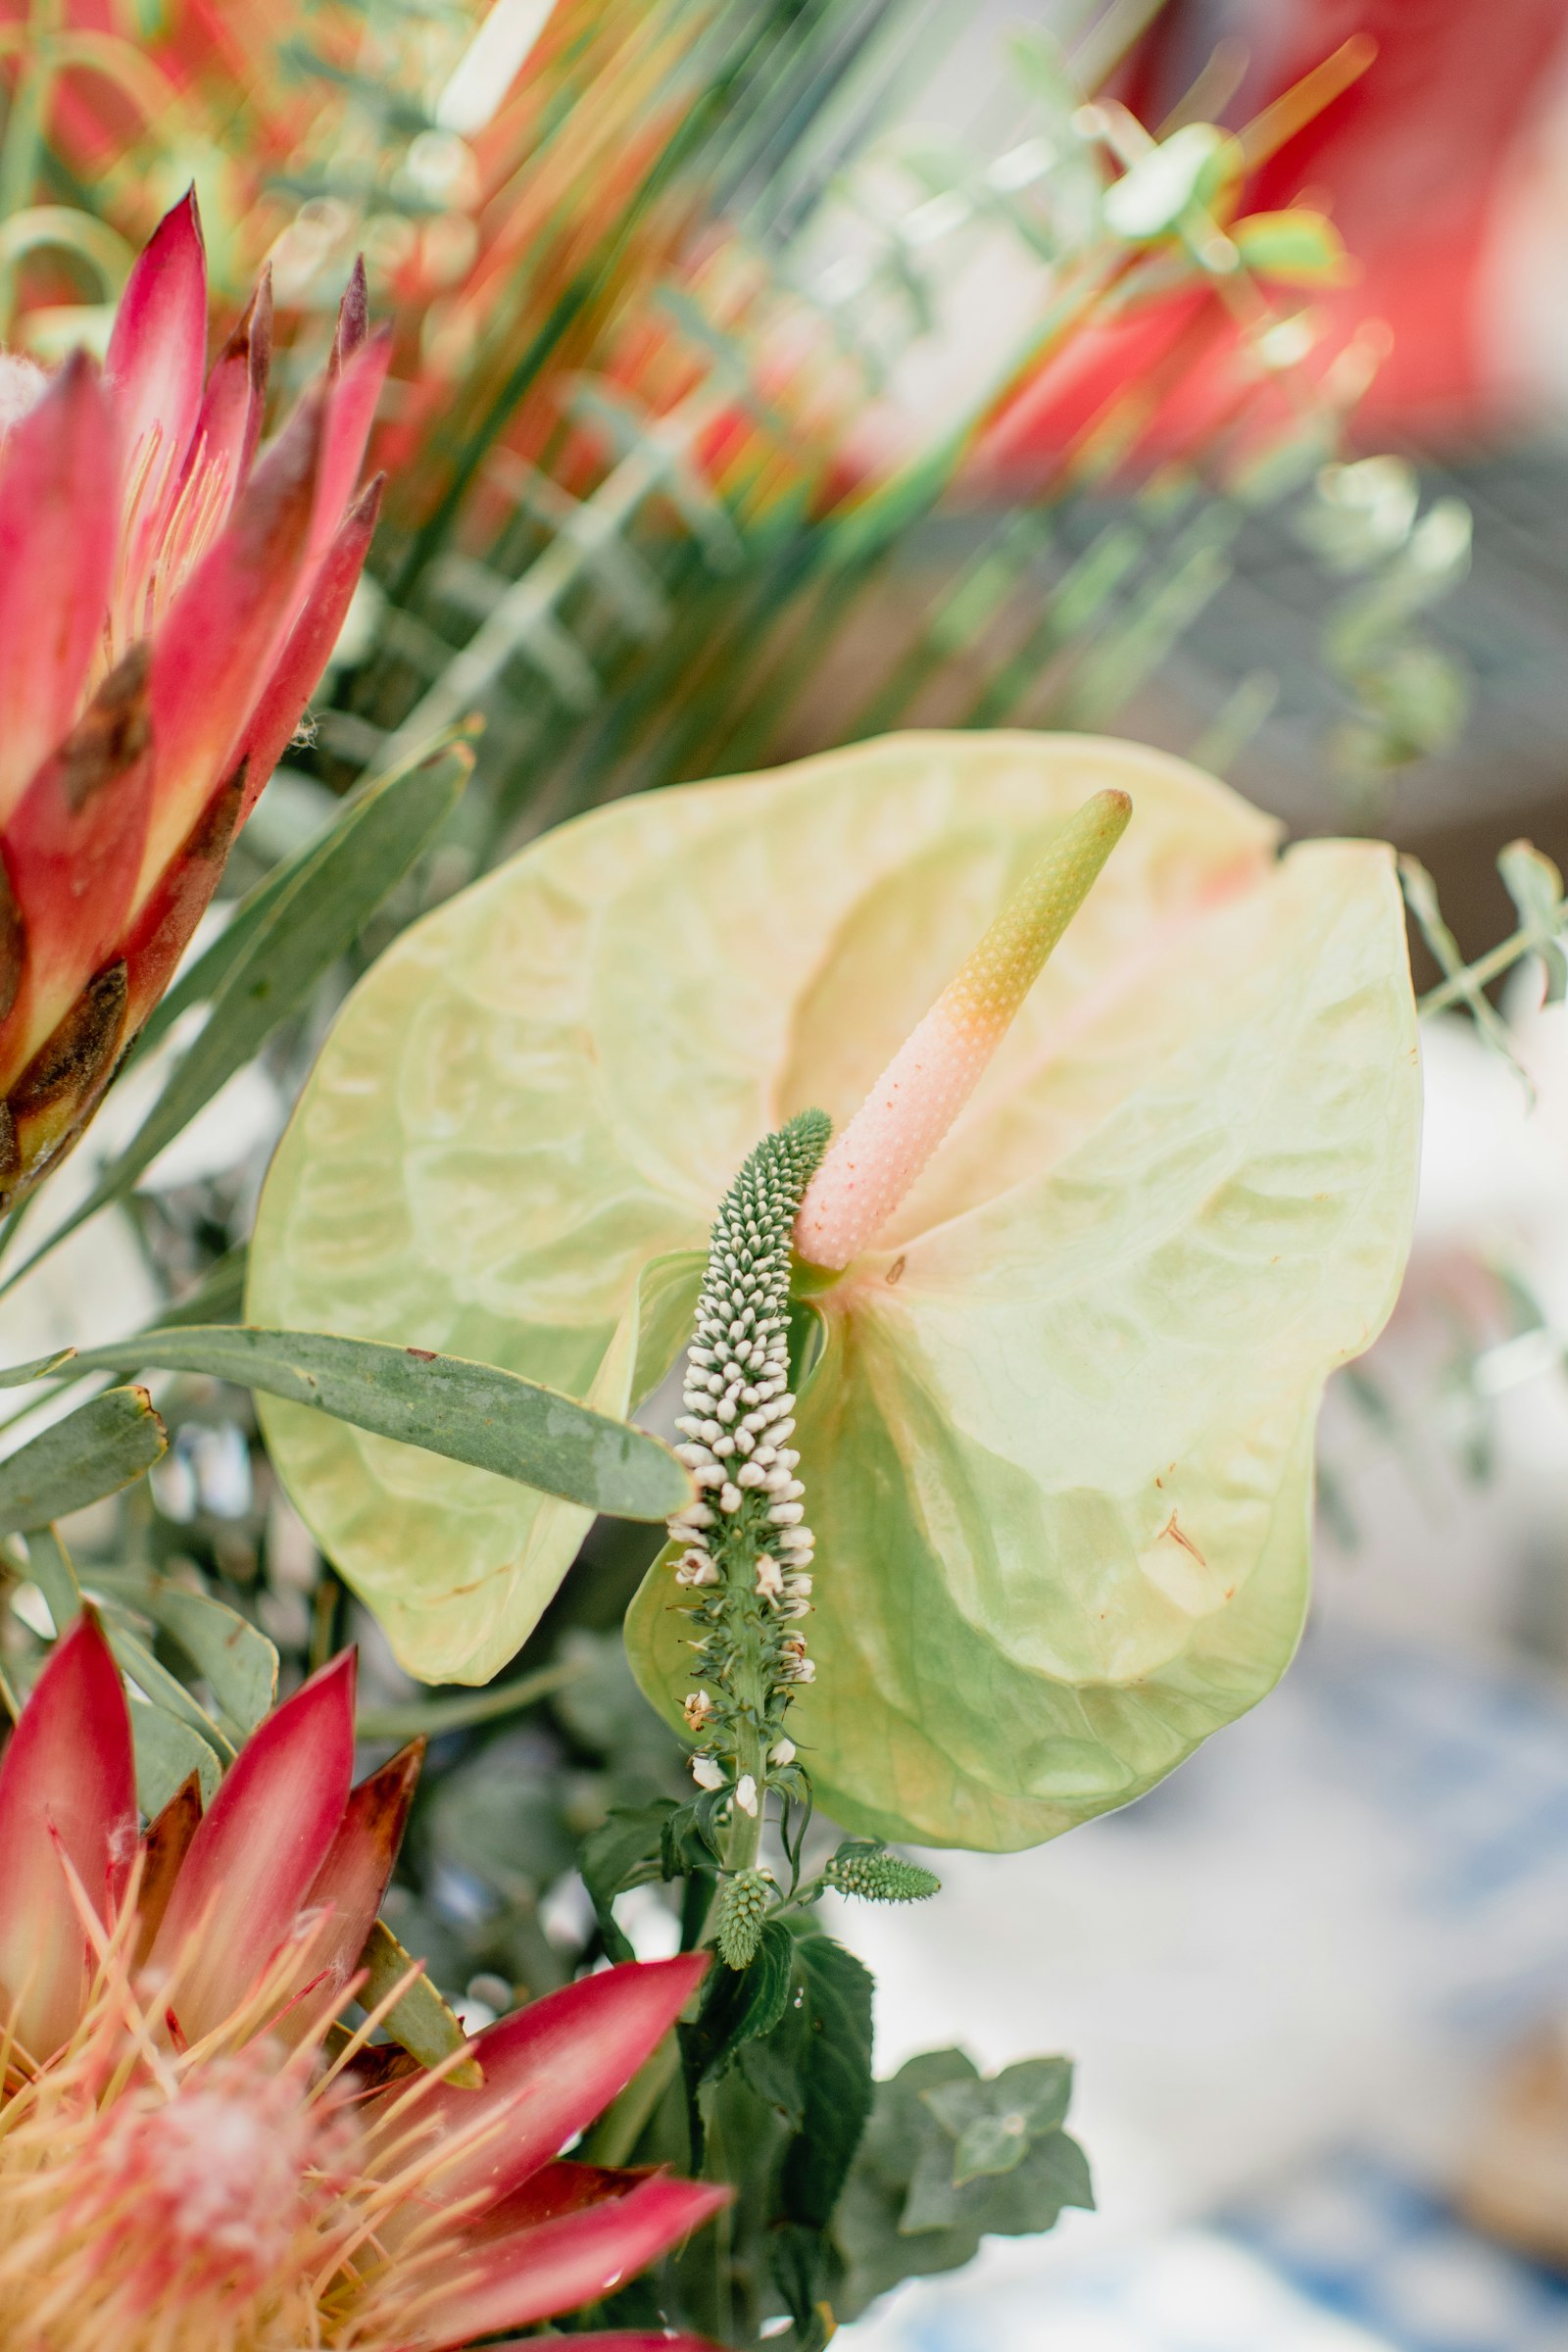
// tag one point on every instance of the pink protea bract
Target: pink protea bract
(168, 602)
(195, 2154)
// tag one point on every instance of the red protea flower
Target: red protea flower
(194, 2155)
(165, 608)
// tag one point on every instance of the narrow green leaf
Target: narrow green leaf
(239, 1662)
(92, 1452)
(166, 1691)
(17, 1376)
(166, 1754)
(419, 2020)
(474, 1413)
(219, 1295)
(54, 1575)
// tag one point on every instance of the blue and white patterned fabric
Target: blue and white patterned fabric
(1288, 1976)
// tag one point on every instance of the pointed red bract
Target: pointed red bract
(158, 348)
(73, 848)
(260, 1847)
(559, 2063)
(299, 665)
(213, 655)
(578, 2258)
(59, 522)
(230, 424)
(68, 1796)
(353, 1880)
(351, 403)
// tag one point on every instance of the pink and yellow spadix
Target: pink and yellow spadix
(168, 602)
(872, 1164)
(194, 2155)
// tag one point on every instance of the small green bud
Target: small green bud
(880, 1878)
(744, 1902)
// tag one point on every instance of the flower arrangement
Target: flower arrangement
(885, 1221)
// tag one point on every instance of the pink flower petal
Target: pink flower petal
(560, 2062)
(353, 315)
(303, 659)
(230, 424)
(59, 488)
(353, 1880)
(164, 924)
(251, 1862)
(559, 2265)
(224, 631)
(157, 349)
(73, 845)
(351, 397)
(68, 1794)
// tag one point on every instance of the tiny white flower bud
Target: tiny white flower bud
(782, 1751)
(769, 1577)
(748, 1475)
(785, 1514)
(708, 1772)
(729, 1499)
(746, 1794)
(709, 1474)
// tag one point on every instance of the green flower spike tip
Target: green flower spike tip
(1055, 1411)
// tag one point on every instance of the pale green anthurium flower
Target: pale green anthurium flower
(1057, 1441)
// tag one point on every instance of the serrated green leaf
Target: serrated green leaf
(420, 2021)
(237, 1659)
(92, 1452)
(625, 1850)
(739, 2005)
(829, 2030)
(473, 1413)
(167, 1752)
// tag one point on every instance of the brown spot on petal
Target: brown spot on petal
(13, 944)
(167, 1845)
(80, 1051)
(111, 736)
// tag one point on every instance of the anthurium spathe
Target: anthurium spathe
(193, 2158)
(1056, 1442)
(168, 602)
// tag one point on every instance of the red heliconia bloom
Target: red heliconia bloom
(168, 601)
(194, 2155)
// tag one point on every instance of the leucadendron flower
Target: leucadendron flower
(1055, 1424)
(194, 2155)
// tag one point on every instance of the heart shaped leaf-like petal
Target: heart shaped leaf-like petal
(1056, 1444)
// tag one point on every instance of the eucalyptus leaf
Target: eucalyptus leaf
(167, 1752)
(473, 1413)
(1015, 2201)
(419, 2020)
(93, 1451)
(1056, 1444)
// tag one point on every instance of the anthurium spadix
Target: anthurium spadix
(1056, 1386)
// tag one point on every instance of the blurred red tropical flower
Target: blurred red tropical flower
(194, 2155)
(168, 601)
